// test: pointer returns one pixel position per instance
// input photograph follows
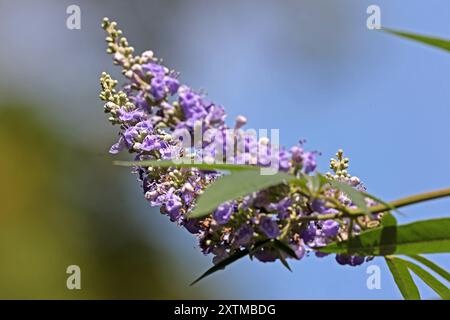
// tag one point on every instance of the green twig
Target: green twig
(421, 197)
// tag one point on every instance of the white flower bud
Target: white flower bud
(147, 54)
(264, 141)
(188, 187)
(355, 181)
(240, 122)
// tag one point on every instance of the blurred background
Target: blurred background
(310, 68)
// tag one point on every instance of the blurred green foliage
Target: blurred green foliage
(61, 204)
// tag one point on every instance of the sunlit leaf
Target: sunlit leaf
(388, 220)
(429, 236)
(442, 290)
(201, 166)
(440, 271)
(357, 197)
(403, 279)
(233, 186)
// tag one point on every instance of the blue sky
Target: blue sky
(310, 68)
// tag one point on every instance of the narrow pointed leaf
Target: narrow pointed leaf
(403, 279)
(285, 263)
(440, 271)
(357, 197)
(229, 260)
(222, 264)
(429, 236)
(442, 290)
(285, 248)
(440, 43)
(201, 166)
(233, 186)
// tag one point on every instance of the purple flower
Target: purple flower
(297, 154)
(117, 147)
(342, 259)
(173, 205)
(154, 68)
(318, 206)
(191, 225)
(284, 160)
(309, 233)
(281, 207)
(172, 84)
(243, 235)
(330, 228)
(269, 227)
(216, 115)
(321, 254)
(158, 89)
(356, 260)
(140, 102)
(345, 259)
(151, 142)
(223, 213)
(131, 116)
(299, 250)
(188, 98)
(309, 162)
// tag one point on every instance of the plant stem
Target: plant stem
(321, 217)
(421, 197)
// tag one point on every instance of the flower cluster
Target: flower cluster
(153, 109)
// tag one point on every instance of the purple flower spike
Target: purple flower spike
(155, 112)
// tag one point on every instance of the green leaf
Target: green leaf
(440, 271)
(442, 290)
(388, 220)
(285, 263)
(358, 198)
(186, 164)
(225, 262)
(429, 236)
(284, 247)
(403, 279)
(233, 186)
(429, 40)
(317, 182)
